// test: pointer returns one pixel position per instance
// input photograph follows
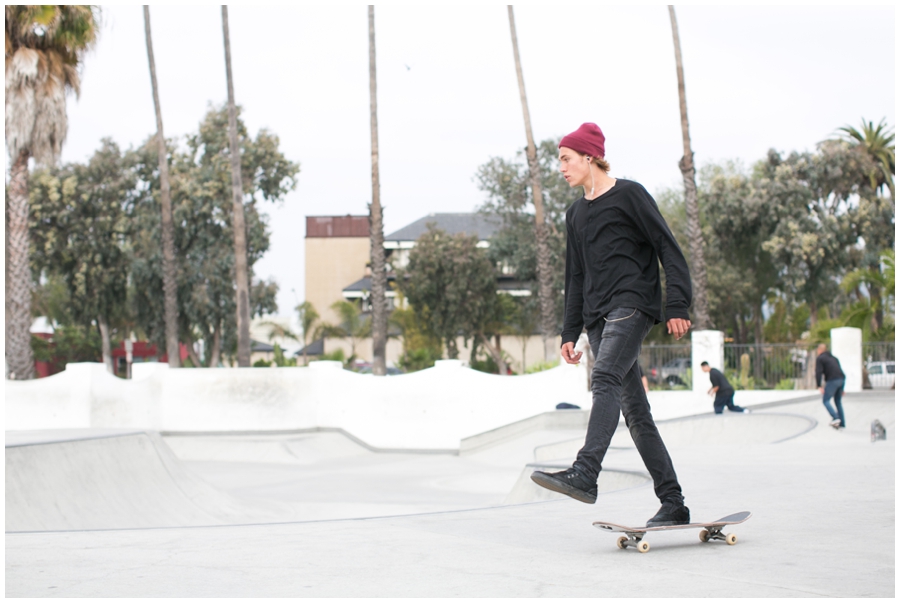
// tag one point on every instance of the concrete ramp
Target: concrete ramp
(732, 429)
(610, 480)
(307, 448)
(113, 481)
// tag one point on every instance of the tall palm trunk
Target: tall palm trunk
(241, 271)
(376, 226)
(170, 293)
(19, 358)
(105, 346)
(544, 276)
(695, 236)
(216, 347)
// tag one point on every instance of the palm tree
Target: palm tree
(875, 141)
(241, 271)
(878, 282)
(545, 287)
(354, 326)
(376, 226)
(695, 236)
(308, 318)
(170, 299)
(44, 46)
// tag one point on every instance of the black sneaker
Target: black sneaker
(569, 482)
(670, 514)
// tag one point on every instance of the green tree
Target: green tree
(523, 323)
(353, 326)
(202, 208)
(79, 231)
(45, 45)
(812, 199)
(309, 319)
(421, 347)
(513, 249)
(741, 220)
(878, 143)
(451, 285)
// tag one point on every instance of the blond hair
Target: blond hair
(600, 162)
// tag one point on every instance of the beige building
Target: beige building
(337, 253)
(337, 267)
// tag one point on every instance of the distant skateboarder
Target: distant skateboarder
(829, 368)
(616, 238)
(722, 389)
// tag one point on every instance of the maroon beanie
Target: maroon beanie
(587, 139)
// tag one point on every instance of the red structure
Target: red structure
(144, 351)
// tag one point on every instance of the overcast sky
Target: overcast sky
(756, 78)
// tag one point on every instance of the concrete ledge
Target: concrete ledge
(559, 419)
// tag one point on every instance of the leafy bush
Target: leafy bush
(785, 384)
(486, 365)
(540, 366)
(418, 359)
(337, 355)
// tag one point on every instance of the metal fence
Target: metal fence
(770, 365)
(878, 351)
(750, 365)
(667, 365)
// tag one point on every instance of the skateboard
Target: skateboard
(711, 530)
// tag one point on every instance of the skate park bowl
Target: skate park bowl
(323, 511)
(89, 479)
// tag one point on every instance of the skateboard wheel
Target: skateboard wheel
(621, 542)
(704, 536)
(731, 539)
(643, 547)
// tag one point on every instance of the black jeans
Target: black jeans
(616, 384)
(725, 398)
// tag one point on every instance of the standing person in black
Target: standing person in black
(829, 368)
(616, 238)
(722, 389)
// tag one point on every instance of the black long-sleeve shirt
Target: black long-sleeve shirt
(829, 367)
(613, 249)
(718, 380)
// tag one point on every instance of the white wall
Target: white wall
(511, 346)
(708, 346)
(430, 409)
(846, 346)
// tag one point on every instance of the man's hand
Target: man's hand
(569, 354)
(822, 390)
(678, 327)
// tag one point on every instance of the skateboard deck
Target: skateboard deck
(710, 530)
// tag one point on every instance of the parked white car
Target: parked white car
(881, 374)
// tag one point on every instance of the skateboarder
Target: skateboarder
(616, 238)
(829, 368)
(722, 389)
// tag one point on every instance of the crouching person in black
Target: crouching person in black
(722, 389)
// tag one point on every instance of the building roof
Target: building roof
(363, 286)
(470, 223)
(260, 346)
(316, 348)
(505, 284)
(337, 226)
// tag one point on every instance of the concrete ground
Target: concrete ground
(822, 501)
